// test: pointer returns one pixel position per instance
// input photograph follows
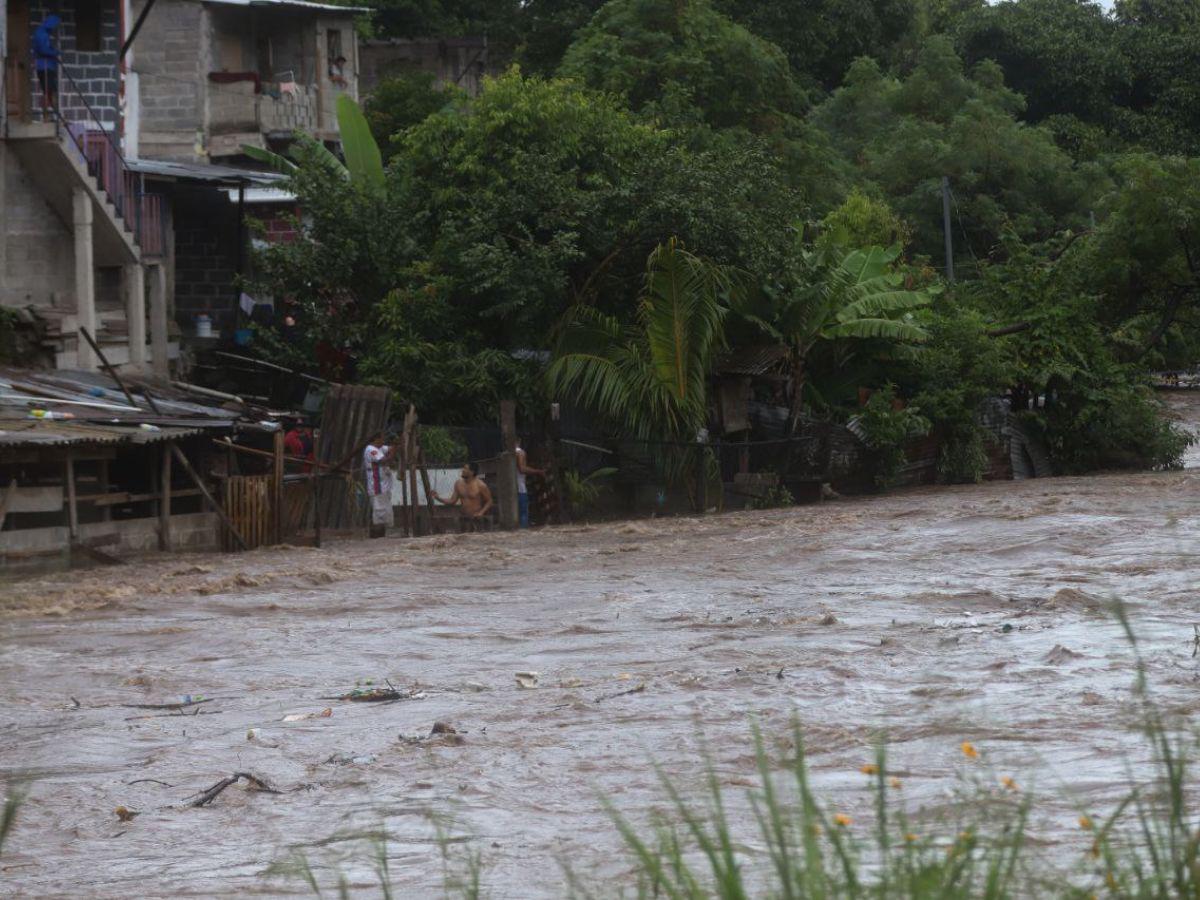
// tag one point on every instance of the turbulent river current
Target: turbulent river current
(932, 616)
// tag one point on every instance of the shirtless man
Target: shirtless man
(471, 494)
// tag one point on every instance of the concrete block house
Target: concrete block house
(125, 194)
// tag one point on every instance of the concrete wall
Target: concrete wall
(37, 250)
(457, 61)
(172, 64)
(189, 532)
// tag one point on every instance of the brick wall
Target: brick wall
(171, 59)
(205, 258)
(95, 73)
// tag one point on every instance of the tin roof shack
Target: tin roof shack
(216, 74)
(85, 472)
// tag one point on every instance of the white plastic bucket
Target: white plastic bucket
(203, 326)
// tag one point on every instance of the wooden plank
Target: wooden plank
(32, 499)
(7, 499)
(164, 506)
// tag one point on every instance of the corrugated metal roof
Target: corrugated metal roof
(40, 433)
(213, 174)
(299, 4)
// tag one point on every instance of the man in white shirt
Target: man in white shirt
(524, 469)
(377, 472)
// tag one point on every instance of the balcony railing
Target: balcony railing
(74, 117)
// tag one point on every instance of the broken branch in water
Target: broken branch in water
(634, 690)
(181, 705)
(210, 795)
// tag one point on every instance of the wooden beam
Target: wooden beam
(277, 490)
(316, 491)
(187, 467)
(72, 507)
(112, 372)
(164, 506)
(7, 499)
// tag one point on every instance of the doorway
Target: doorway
(16, 59)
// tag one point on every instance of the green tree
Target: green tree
(823, 39)
(401, 101)
(903, 136)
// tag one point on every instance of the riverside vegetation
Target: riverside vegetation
(461, 233)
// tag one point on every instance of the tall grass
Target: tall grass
(793, 846)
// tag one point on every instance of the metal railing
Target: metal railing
(68, 107)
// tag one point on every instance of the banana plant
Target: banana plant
(832, 293)
(363, 167)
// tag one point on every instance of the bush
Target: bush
(887, 430)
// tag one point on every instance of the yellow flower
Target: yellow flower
(1008, 783)
(910, 837)
(1085, 823)
(896, 783)
(842, 819)
(869, 769)
(965, 836)
(969, 750)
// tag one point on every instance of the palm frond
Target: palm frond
(881, 304)
(276, 161)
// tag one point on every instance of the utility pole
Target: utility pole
(946, 229)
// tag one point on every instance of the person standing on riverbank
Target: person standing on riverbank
(377, 471)
(523, 469)
(472, 495)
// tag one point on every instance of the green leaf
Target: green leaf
(362, 153)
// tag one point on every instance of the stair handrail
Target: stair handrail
(61, 123)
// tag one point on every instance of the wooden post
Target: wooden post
(506, 503)
(316, 492)
(7, 499)
(187, 467)
(164, 500)
(411, 458)
(72, 508)
(425, 484)
(277, 490)
(102, 481)
(508, 424)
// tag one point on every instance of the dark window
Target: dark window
(87, 26)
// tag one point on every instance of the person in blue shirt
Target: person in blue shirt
(46, 59)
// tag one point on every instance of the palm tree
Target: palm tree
(830, 293)
(650, 378)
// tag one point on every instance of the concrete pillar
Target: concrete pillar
(135, 313)
(158, 321)
(85, 278)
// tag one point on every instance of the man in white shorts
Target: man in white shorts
(377, 471)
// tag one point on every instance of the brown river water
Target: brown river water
(859, 616)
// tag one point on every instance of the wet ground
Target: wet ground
(938, 616)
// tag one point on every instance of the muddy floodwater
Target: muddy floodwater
(937, 616)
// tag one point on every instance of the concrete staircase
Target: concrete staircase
(57, 167)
